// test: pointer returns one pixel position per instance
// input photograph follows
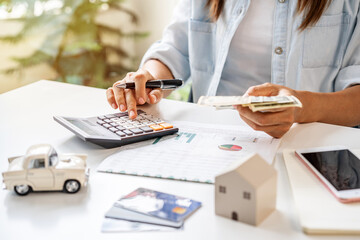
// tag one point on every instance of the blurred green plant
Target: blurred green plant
(74, 44)
(181, 94)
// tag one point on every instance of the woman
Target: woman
(309, 49)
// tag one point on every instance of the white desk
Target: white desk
(26, 119)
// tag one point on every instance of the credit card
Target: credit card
(158, 204)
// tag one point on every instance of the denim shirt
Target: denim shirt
(323, 58)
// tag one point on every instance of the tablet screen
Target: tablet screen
(340, 167)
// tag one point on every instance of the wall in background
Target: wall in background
(153, 16)
(9, 82)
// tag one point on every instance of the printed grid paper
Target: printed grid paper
(193, 154)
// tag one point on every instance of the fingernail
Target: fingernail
(132, 114)
(113, 106)
(141, 100)
(122, 107)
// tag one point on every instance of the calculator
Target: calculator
(114, 130)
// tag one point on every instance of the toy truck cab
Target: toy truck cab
(42, 169)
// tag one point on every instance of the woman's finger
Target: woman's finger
(131, 103)
(111, 98)
(155, 95)
(119, 97)
(266, 89)
(140, 79)
(268, 118)
(276, 131)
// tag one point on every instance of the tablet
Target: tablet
(337, 167)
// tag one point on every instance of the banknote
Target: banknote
(255, 103)
(223, 100)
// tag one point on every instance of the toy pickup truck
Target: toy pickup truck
(42, 169)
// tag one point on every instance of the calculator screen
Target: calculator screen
(84, 127)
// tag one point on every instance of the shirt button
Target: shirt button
(239, 11)
(279, 50)
(282, 1)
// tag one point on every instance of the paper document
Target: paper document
(198, 152)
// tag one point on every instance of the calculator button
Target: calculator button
(120, 133)
(120, 128)
(158, 121)
(128, 132)
(106, 125)
(120, 114)
(101, 117)
(147, 129)
(115, 119)
(136, 130)
(100, 122)
(110, 116)
(130, 121)
(166, 125)
(128, 126)
(113, 129)
(107, 120)
(149, 118)
(156, 127)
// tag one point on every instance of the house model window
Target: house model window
(222, 189)
(247, 195)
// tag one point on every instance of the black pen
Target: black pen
(163, 84)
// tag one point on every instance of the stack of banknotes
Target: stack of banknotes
(255, 103)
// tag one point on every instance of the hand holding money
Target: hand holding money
(255, 103)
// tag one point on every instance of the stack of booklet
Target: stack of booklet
(148, 210)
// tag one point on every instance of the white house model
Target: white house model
(246, 191)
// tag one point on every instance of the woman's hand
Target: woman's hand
(275, 122)
(128, 99)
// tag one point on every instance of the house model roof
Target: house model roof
(252, 168)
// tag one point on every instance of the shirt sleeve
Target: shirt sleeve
(349, 74)
(172, 49)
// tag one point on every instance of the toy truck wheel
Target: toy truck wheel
(71, 186)
(22, 190)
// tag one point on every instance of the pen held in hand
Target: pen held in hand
(163, 84)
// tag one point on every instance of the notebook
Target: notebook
(318, 210)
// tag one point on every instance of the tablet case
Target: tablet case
(318, 210)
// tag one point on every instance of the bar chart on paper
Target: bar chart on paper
(196, 153)
(181, 137)
(187, 137)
